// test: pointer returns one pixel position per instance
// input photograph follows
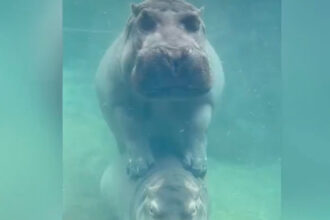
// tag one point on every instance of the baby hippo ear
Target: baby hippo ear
(192, 187)
(201, 11)
(151, 190)
(135, 9)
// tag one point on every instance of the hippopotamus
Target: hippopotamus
(158, 84)
(166, 191)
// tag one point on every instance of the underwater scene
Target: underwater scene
(244, 138)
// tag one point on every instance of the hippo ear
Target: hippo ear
(201, 11)
(135, 9)
(192, 187)
(154, 188)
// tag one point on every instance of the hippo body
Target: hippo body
(167, 191)
(158, 83)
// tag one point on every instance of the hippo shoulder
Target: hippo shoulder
(109, 72)
(216, 71)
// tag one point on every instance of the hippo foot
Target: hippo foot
(197, 165)
(137, 167)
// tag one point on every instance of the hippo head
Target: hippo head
(164, 54)
(173, 198)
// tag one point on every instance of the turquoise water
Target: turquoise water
(244, 175)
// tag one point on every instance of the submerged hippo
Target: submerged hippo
(157, 85)
(167, 192)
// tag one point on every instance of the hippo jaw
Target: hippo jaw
(163, 72)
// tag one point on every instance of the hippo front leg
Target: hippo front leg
(139, 158)
(195, 141)
(131, 136)
(195, 156)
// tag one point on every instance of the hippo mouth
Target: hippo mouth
(173, 92)
(167, 72)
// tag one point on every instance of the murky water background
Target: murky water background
(245, 136)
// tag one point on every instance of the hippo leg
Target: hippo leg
(195, 157)
(139, 160)
(131, 136)
(195, 141)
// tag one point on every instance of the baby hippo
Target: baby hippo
(167, 192)
(158, 83)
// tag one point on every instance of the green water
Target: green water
(30, 113)
(244, 177)
(244, 174)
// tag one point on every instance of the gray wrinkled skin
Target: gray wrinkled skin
(167, 192)
(157, 85)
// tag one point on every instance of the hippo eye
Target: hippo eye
(191, 23)
(153, 209)
(192, 209)
(146, 22)
(194, 212)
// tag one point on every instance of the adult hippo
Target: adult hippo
(167, 191)
(157, 85)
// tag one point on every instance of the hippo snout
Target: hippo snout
(168, 71)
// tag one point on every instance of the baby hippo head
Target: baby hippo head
(173, 200)
(166, 55)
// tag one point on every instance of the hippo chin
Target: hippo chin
(167, 191)
(171, 71)
(157, 85)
